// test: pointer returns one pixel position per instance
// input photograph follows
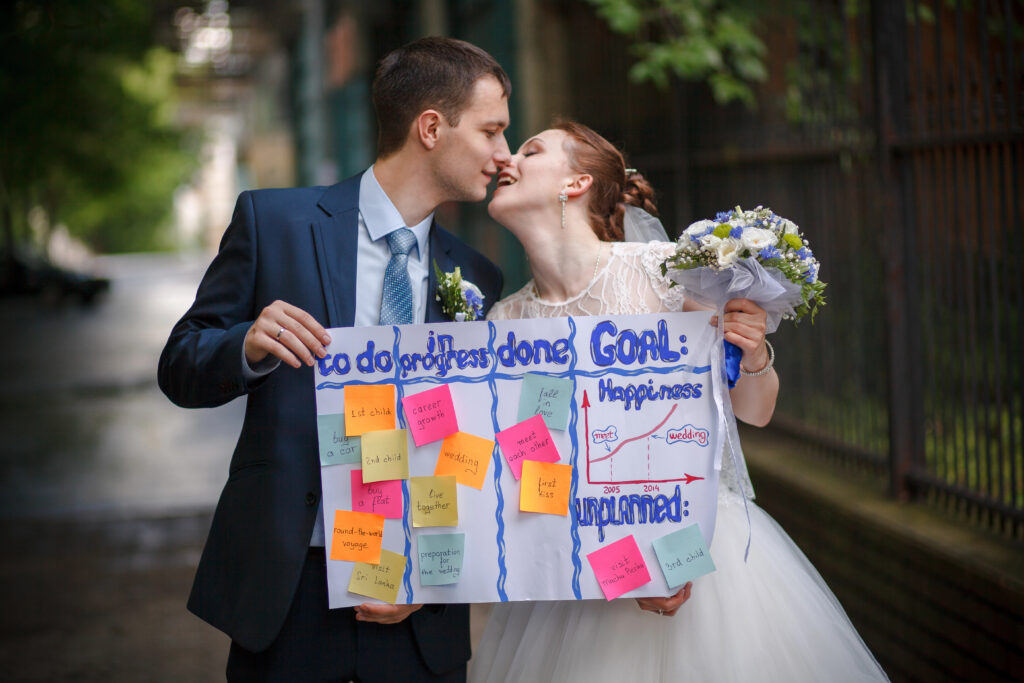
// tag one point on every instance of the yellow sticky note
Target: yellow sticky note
(545, 487)
(385, 455)
(466, 457)
(357, 536)
(434, 500)
(369, 408)
(381, 580)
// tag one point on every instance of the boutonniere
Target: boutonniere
(460, 299)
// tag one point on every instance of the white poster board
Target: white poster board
(643, 446)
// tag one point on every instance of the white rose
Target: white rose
(710, 241)
(756, 239)
(790, 228)
(699, 228)
(728, 251)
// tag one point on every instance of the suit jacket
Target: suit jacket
(297, 245)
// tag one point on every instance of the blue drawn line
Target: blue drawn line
(406, 498)
(493, 375)
(496, 458)
(574, 528)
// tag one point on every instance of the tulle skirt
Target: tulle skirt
(772, 618)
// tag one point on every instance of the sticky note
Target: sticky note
(430, 414)
(683, 555)
(385, 455)
(619, 567)
(440, 558)
(549, 397)
(369, 408)
(379, 497)
(545, 487)
(527, 440)
(335, 447)
(380, 581)
(466, 457)
(434, 501)
(357, 536)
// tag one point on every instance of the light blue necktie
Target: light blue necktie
(396, 304)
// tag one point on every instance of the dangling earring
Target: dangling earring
(563, 197)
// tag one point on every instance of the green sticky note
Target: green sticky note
(683, 555)
(440, 558)
(335, 447)
(546, 396)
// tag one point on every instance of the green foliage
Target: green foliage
(695, 40)
(87, 132)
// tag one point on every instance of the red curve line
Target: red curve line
(642, 436)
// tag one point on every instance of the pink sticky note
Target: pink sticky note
(430, 414)
(528, 440)
(619, 567)
(379, 497)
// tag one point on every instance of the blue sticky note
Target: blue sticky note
(335, 447)
(440, 558)
(683, 555)
(546, 396)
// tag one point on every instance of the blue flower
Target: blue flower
(803, 253)
(723, 216)
(736, 232)
(474, 301)
(769, 253)
(812, 273)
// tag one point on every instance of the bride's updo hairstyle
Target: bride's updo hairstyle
(613, 188)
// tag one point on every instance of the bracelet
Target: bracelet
(767, 366)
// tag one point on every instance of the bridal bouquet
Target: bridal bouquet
(755, 255)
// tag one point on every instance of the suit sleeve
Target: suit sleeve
(200, 364)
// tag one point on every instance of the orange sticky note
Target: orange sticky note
(466, 457)
(369, 408)
(357, 536)
(379, 580)
(544, 487)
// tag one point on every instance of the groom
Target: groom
(292, 263)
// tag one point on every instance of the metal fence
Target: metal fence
(899, 154)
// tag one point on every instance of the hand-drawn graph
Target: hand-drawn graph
(656, 453)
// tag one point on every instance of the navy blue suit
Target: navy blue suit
(297, 245)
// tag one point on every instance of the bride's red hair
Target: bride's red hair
(612, 188)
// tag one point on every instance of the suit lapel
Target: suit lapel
(440, 245)
(336, 240)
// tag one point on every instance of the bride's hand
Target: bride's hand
(384, 614)
(746, 326)
(666, 606)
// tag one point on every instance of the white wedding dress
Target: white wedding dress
(771, 618)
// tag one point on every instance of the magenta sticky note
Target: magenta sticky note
(378, 497)
(430, 414)
(619, 567)
(528, 440)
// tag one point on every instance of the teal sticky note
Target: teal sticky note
(683, 555)
(335, 447)
(440, 558)
(548, 397)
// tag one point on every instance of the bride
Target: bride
(770, 618)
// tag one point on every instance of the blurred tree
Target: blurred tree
(696, 40)
(87, 131)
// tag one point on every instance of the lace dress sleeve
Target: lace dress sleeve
(651, 258)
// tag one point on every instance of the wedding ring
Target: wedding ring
(280, 331)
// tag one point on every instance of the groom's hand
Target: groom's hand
(384, 614)
(286, 332)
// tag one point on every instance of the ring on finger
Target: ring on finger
(280, 331)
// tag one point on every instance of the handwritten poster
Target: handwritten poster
(380, 580)
(637, 456)
(379, 497)
(683, 555)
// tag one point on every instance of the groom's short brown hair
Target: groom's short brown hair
(429, 73)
